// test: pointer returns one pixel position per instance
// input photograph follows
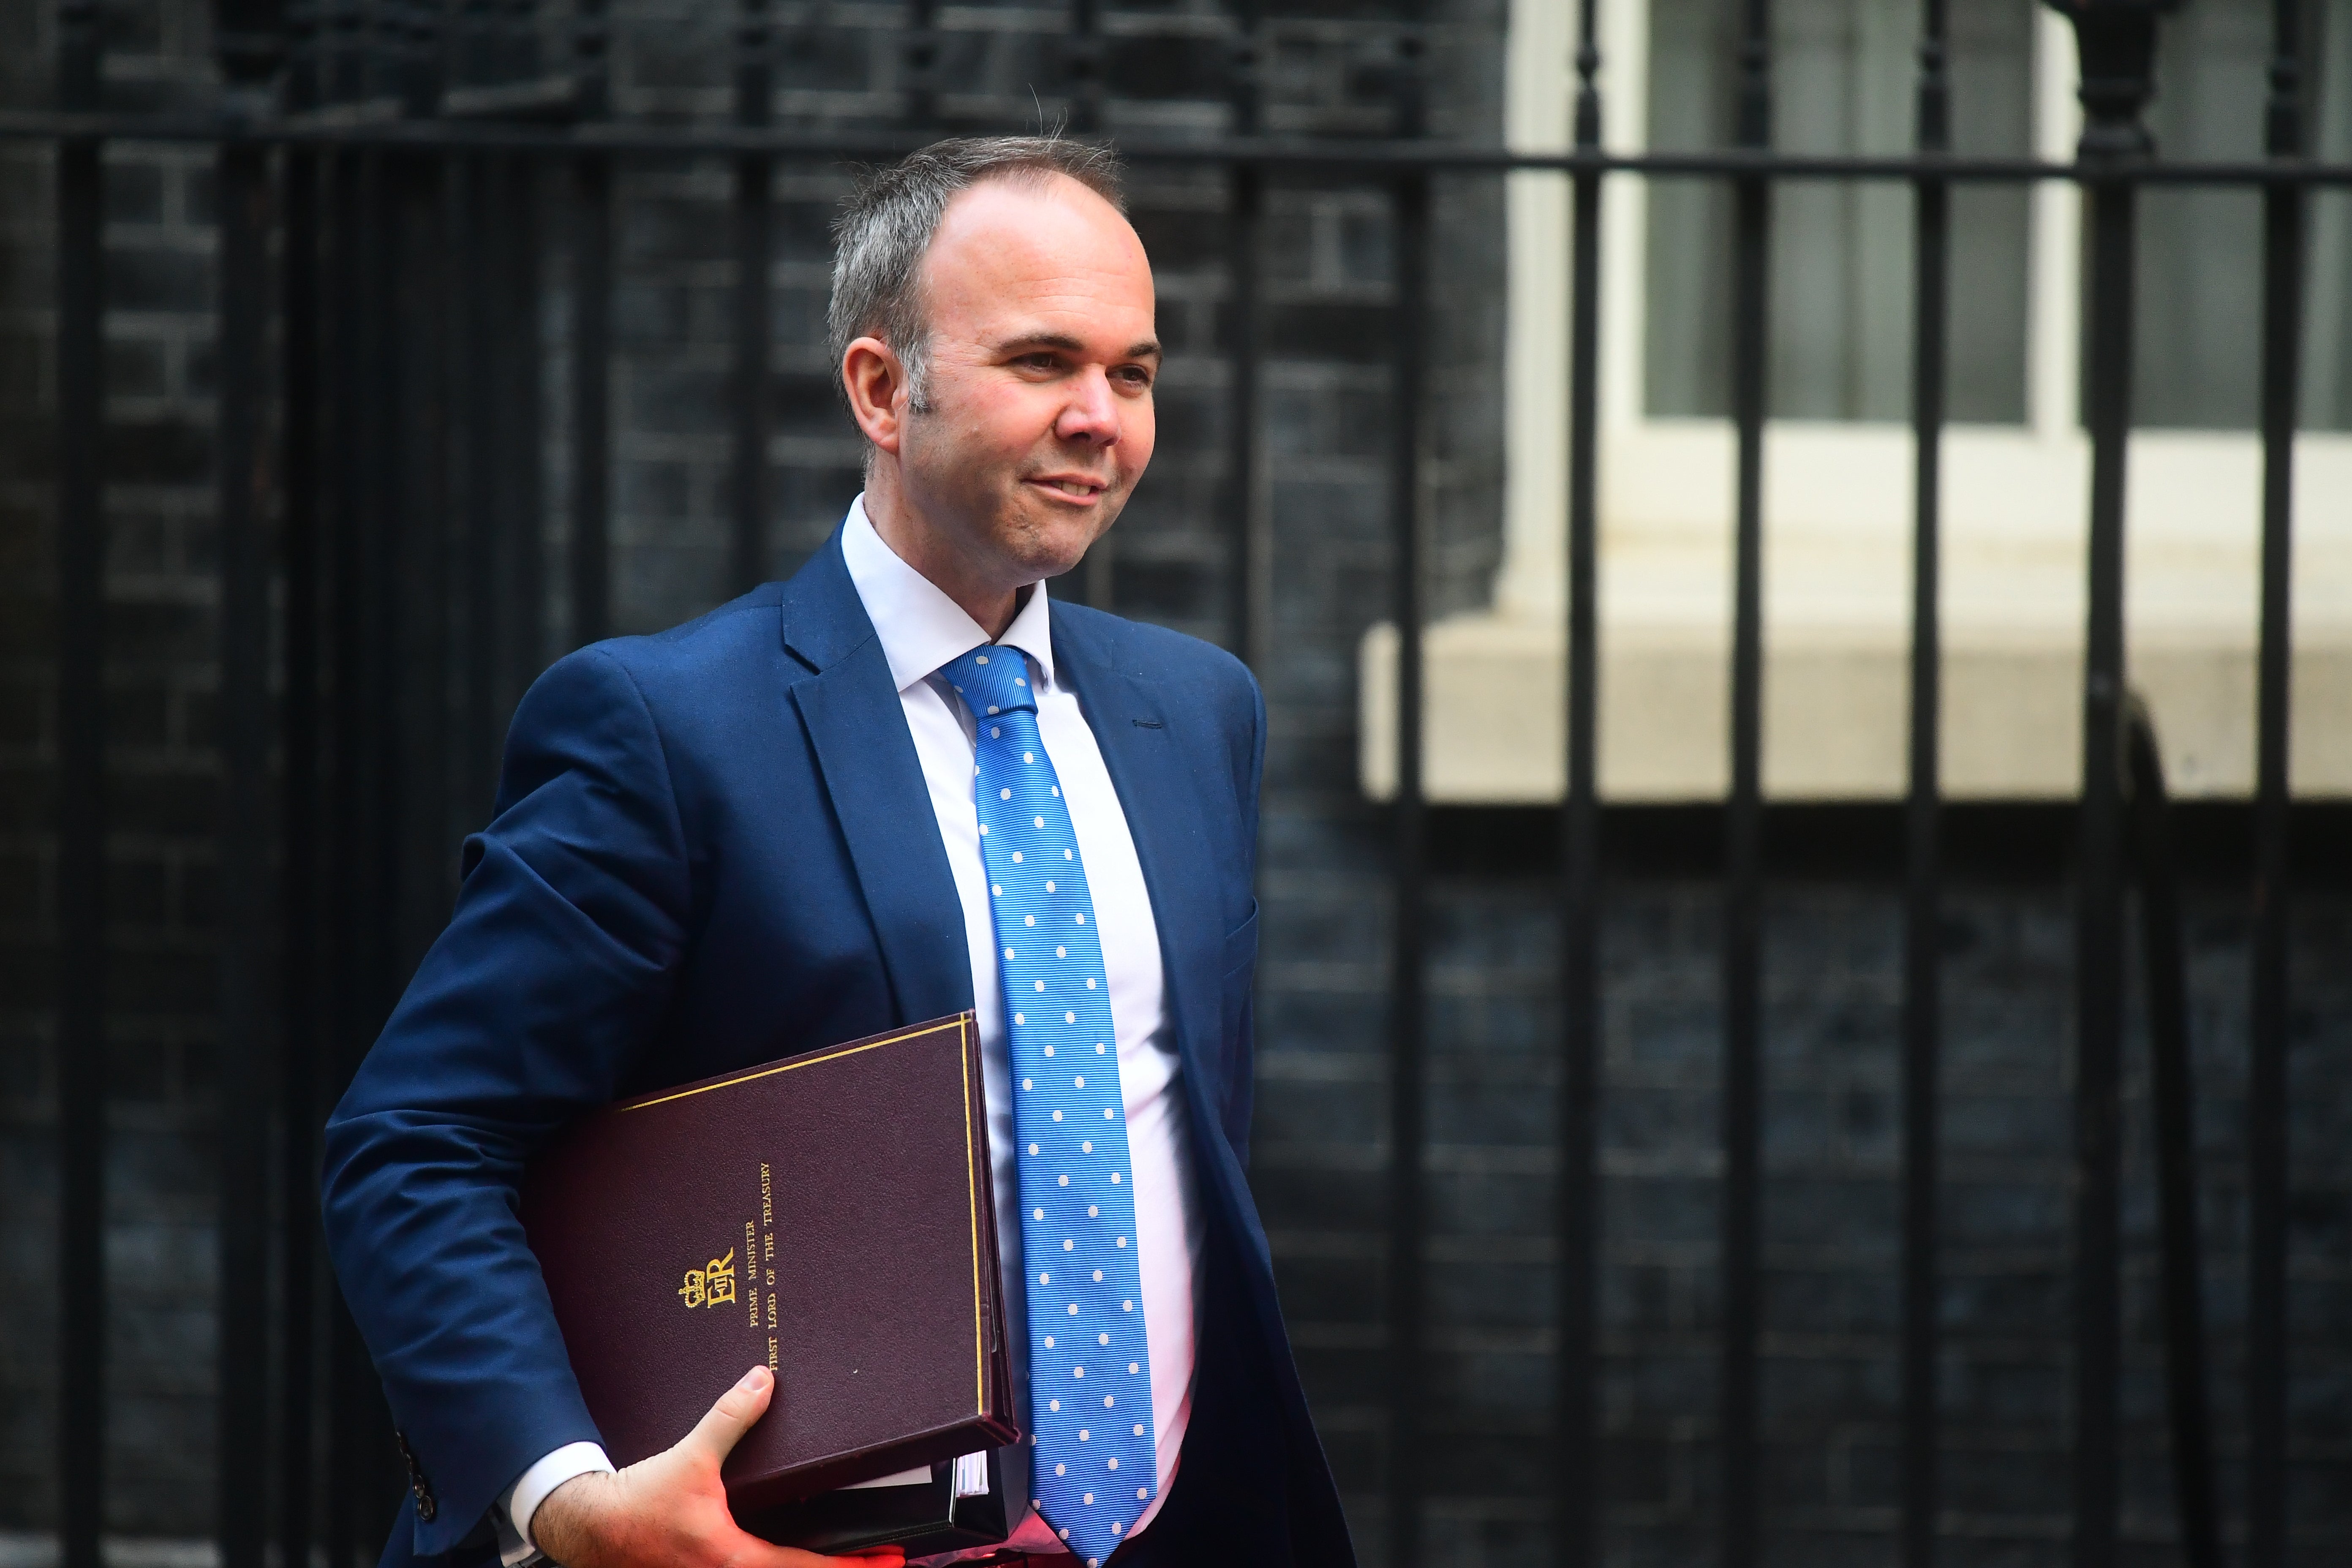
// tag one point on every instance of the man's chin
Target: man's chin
(1051, 545)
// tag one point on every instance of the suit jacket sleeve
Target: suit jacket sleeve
(554, 972)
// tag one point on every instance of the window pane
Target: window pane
(2198, 354)
(1844, 75)
(2327, 278)
(2199, 349)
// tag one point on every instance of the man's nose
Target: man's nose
(1091, 414)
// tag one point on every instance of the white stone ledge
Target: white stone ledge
(1837, 626)
(1835, 716)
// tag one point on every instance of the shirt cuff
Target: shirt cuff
(514, 1511)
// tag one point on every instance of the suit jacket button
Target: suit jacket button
(428, 1509)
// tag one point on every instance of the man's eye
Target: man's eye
(1132, 377)
(1036, 361)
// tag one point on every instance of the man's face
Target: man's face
(1038, 378)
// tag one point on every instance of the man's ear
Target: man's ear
(876, 383)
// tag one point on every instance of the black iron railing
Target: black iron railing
(352, 177)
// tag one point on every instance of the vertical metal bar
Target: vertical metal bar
(250, 44)
(474, 44)
(385, 49)
(343, 75)
(2266, 1090)
(479, 329)
(346, 499)
(2117, 46)
(1082, 45)
(464, 39)
(502, 437)
(2165, 972)
(920, 56)
(344, 857)
(300, 1036)
(418, 56)
(518, 41)
(373, 759)
(1097, 575)
(479, 353)
(1743, 813)
(1579, 1166)
(1408, 1021)
(407, 654)
(1249, 559)
(592, 285)
(1922, 871)
(2099, 955)
(387, 461)
(357, 422)
(1082, 62)
(1250, 562)
(754, 180)
(83, 1398)
(424, 287)
(522, 434)
(412, 390)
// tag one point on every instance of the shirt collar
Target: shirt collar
(920, 627)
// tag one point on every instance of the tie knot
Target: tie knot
(992, 679)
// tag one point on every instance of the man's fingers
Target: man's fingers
(716, 1435)
(724, 1424)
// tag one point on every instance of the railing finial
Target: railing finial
(79, 50)
(1409, 84)
(1243, 78)
(1083, 63)
(1753, 125)
(249, 36)
(2116, 42)
(1935, 127)
(1588, 73)
(754, 63)
(592, 40)
(2284, 126)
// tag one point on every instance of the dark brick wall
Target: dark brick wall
(1832, 1148)
(159, 686)
(1831, 1143)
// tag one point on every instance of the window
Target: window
(2198, 350)
(1841, 266)
(1841, 269)
(1838, 457)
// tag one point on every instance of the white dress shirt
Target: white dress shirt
(921, 629)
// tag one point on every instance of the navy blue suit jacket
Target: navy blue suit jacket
(712, 848)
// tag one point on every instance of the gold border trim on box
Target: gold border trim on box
(970, 1169)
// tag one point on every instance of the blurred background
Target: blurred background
(1690, 1166)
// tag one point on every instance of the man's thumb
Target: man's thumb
(724, 1424)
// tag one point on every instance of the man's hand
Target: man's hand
(670, 1511)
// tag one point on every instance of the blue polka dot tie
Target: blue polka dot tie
(1093, 1467)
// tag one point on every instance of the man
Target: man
(783, 825)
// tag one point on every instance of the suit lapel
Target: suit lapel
(1163, 817)
(851, 710)
(849, 706)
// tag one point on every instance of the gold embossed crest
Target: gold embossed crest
(712, 1284)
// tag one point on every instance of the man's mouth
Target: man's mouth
(1071, 489)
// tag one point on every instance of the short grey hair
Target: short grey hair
(885, 229)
